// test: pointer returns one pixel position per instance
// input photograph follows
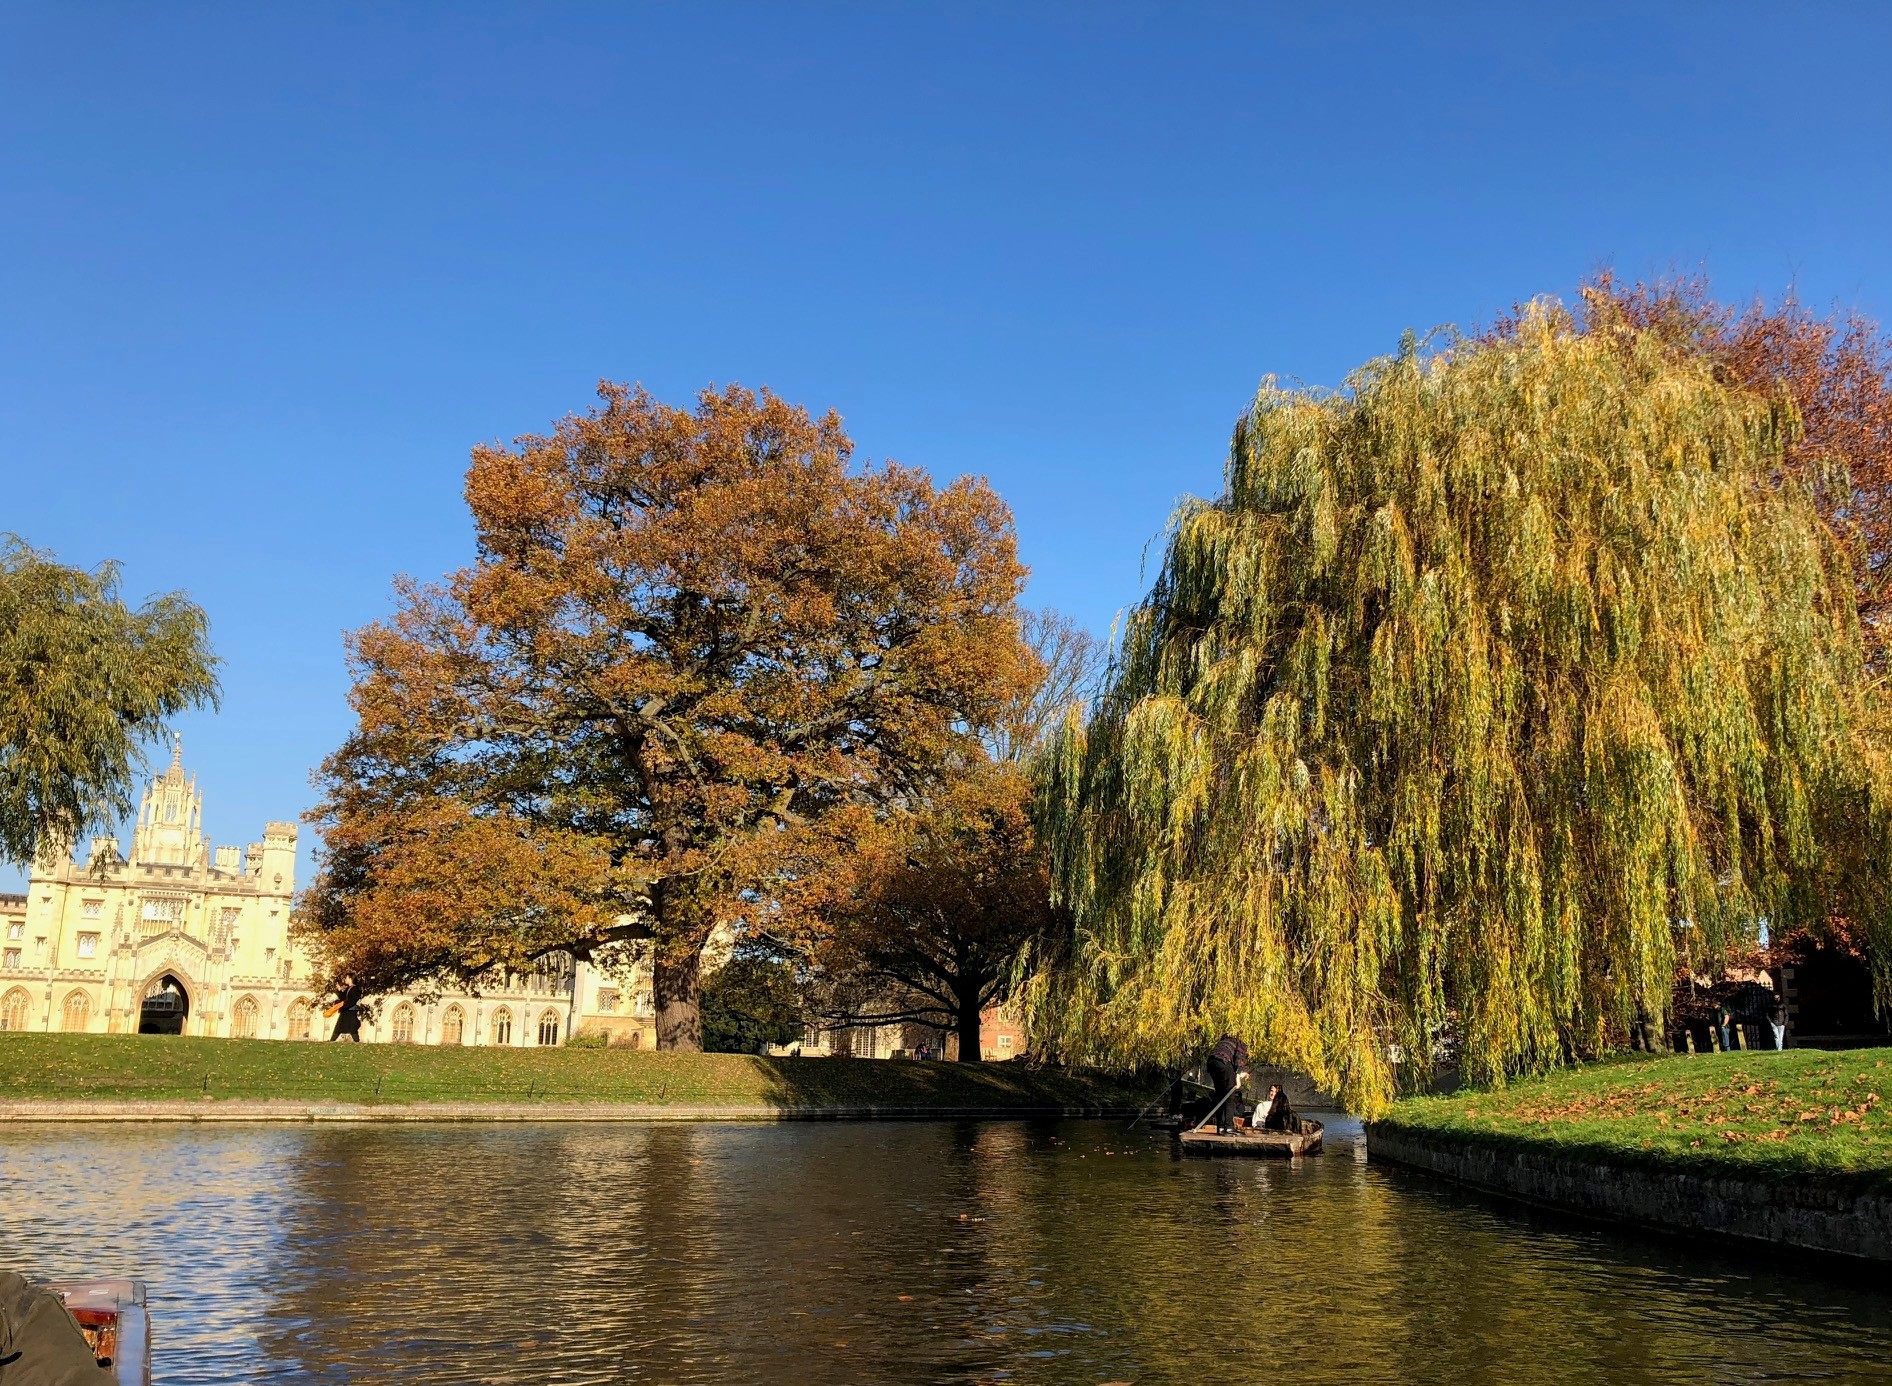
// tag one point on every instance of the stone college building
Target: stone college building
(186, 938)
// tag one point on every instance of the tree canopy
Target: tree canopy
(1486, 678)
(84, 680)
(697, 651)
(1836, 369)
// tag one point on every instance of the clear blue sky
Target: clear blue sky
(268, 271)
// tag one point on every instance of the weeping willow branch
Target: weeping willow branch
(1483, 679)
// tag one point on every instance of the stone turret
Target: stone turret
(170, 829)
(274, 862)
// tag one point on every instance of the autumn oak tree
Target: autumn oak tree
(697, 651)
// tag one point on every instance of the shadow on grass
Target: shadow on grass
(129, 1068)
(900, 1085)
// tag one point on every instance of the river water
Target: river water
(890, 1252)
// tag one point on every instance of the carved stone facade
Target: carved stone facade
(184, 937)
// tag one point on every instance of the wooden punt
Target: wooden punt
(111, 1314)
(1280, 1145)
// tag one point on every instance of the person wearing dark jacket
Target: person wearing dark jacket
(40, 1345)
(1228, 1065)
(347, 1012)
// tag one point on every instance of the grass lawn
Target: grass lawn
(1799, 1114)
(153, 1067)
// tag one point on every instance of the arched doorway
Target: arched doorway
(166, 1006)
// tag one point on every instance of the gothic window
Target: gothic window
(243, 1018)
(13, 1008)
(548, 1028)
(453, 1026)
(608, 999)
(78, 1013)
(163, 912)
(401, 1031)
(300, 1018)
(502, 1026)
(91, 909)
(14, 931)
(88, 945)
(9, 957)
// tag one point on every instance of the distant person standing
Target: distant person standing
(1228, 1065)
(347, 1012)
(1777, 1022)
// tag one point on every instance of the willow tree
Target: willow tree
(1487, 681)
(85, 681)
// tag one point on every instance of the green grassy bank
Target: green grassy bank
(148, 1068)
(1805, 1113)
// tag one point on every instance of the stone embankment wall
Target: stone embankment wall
(1799, 1213)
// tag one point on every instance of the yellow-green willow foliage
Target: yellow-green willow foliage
(1484, 680)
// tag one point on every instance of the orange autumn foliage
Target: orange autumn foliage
(698, 653)
(943, 899)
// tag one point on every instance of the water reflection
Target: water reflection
(900, 1252)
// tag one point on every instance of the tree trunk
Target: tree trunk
(969, 1028)
(676, 984)
(684, 925)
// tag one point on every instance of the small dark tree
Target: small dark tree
(948, 896)
(752, 1000)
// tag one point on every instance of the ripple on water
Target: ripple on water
(949, 1251)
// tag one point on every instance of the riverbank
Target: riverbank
(1793, 1148)
(146, 1077)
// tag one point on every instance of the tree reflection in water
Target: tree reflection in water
(890, 1252)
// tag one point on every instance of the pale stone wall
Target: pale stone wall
(81, 949)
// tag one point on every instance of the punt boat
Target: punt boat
(1304, 1140)
(111, 1314)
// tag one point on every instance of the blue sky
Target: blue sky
(268, 272)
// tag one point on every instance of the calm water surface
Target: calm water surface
(969, 1251)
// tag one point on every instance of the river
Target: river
(890, 1252)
